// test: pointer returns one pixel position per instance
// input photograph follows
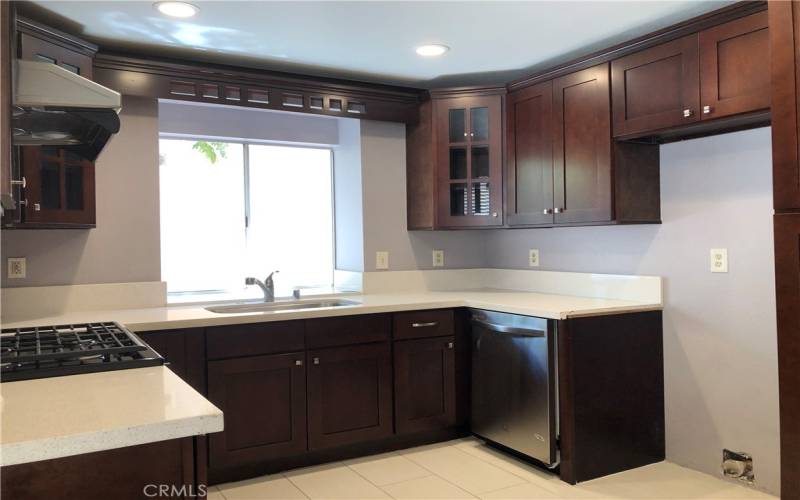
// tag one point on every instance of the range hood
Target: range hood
(55, 107)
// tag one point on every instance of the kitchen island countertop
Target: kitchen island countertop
(63, 416)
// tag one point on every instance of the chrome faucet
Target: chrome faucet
(267, 286)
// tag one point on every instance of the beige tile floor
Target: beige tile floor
(467, 468)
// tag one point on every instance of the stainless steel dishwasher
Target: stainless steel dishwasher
(514, 383)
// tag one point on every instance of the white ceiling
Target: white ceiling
(491, 41)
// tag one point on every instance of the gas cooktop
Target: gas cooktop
(52, 351)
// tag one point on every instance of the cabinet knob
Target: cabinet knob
(450, 345)
(316, 361)
(687, 113)
(558, 210)
(472, 134)
(37, 207)
(465, 134)
(547, 211)
(298, 362)
(706, 110)
(494, 214)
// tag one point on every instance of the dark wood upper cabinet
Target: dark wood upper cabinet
(563, 168)
(656, 88)
(529, 157)
(455, 160)
(349, 395)
(735, 67)
(469, 160)
(264, 402)
(784, 32)
(424, 384)
(59, 187)
(582, 147)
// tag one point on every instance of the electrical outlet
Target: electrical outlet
(381, 260)
(438, 258)
(719, 260)
(17, 267)
(533, 257)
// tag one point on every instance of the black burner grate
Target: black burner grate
(48, 351)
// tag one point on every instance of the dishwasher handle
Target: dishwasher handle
(512, 330)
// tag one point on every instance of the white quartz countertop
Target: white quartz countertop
(63, 416)
(188, 316)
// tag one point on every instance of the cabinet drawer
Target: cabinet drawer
(250, 340)
(328, 332)
(422, 324)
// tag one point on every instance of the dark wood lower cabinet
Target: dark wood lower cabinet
(611, 394)
(263, 399)
(165, 469)
(787, 293)
(349, 395)
(424, 384)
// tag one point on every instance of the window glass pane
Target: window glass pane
(457, 125)
(202, 215)
(291, 216)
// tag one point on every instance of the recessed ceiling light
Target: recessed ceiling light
(176, 9)
(432, 50)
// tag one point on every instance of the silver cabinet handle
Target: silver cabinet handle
(298, 362)
(706, 110)
(494, 214)
(424, 325)
(450, 345)
(22, 182)
(37, 207)
(547, 211)
(687, 113)
(472, 134)
(558, 210)
(316, 361)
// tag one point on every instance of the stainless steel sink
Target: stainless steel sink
(280, 306)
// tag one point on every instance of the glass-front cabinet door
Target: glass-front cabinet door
(469, 161)
(59, 188)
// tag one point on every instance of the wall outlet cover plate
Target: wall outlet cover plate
(719, 260)
(438, 258)
(17, 267)
(533, 257)
(381, 260)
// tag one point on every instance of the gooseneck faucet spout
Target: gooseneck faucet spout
(267, 286)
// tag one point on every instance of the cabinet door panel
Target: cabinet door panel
(425, 384)
(264, 402)
(582, 146)
(787, 288)
(656, 88)
(735, 67)
(529, 174)
(349, 395)
(468, 149)
(784, 32)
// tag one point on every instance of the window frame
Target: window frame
(246, 143)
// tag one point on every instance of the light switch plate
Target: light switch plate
(17, 267)
(438, 258)
(533, 257)
(719, 260)
(381, 260)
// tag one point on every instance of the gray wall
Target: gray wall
(719, 329)
(125, 245)
(383, 156)
(347, 197)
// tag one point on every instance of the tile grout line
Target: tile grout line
(367, 479)
(393, 482)
(498, 467)
(283, 475)
(442, 478)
